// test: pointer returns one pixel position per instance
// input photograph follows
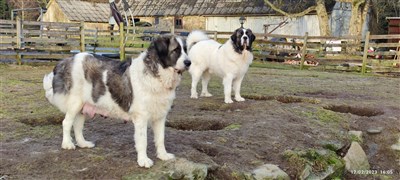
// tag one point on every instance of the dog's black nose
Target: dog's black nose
(245, 37)
(187, 63)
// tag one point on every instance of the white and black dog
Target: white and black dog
(229, 61)
(141, 90)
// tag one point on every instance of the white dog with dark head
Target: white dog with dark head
(230, 61)
(141, 90)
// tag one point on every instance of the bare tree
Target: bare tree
(320, 8)
(23, 4)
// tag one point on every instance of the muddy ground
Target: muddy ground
(286, 109)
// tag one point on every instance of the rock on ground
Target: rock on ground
(179, 168)
(356, 159)
(269, 171)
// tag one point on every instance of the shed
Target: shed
(94, 15)
(223, 15)
(393, 27)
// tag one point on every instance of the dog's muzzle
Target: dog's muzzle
(245, 40)
(187, 65)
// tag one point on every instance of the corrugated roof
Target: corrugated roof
(211, 7)
(76, 10)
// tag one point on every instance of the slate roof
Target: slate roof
(211, 7)
(76, 10)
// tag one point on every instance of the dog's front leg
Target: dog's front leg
(159, 131)
(227, 81)
(141, 142)
(236, 87)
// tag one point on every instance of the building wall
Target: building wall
(165, 23)
(295, 26)
(54, 13)
(194, 22)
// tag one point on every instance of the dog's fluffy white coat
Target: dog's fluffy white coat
(153, 97)
(210, 57)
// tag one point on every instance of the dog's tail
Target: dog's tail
(48, 85)
(195, 37)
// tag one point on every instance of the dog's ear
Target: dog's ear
(161, 45)
(234, 36)
(251, 35)
(156, 53)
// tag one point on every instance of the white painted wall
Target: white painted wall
(296, 26)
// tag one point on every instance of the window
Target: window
(178, 23)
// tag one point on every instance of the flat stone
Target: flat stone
(269, 171)
(375, 130)
(356, 159)
(396, 146)
(178, 168)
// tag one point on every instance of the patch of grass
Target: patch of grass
(210, 106)
(233, 126)
(318, 160)
(323, 116)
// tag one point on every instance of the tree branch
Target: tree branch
(308, 10)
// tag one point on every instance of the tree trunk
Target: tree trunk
(355, 20)
(359, 11)
(323, 18)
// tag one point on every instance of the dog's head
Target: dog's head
(242, 39)
(167, 51)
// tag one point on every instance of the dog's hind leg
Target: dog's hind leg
(78, 128)
(141, 141)
(236, 87)
(205, 79)
(74, 109)
(196, 75)
(159, 130)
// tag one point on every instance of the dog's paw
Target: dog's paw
(145, 162)
(68, 145)
(228, 101)
(165, 156)
(207, 94)
(85, 144)
(194, 96)
(239, 99)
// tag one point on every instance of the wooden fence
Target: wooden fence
(48, 40)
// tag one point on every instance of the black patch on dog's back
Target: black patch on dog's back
(118, 79)
(62, 81)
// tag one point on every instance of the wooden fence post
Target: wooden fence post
(121, 42)
(19, 39)
(172, 29)
(82, 36)
(96, 34)
(215, 35)
(304, 51)
(365, 54)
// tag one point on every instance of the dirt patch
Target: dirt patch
(42, 121)
(282, 99)
(359, 111)
(197, 124)
(282, 112)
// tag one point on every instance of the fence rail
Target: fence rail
(53, 40)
